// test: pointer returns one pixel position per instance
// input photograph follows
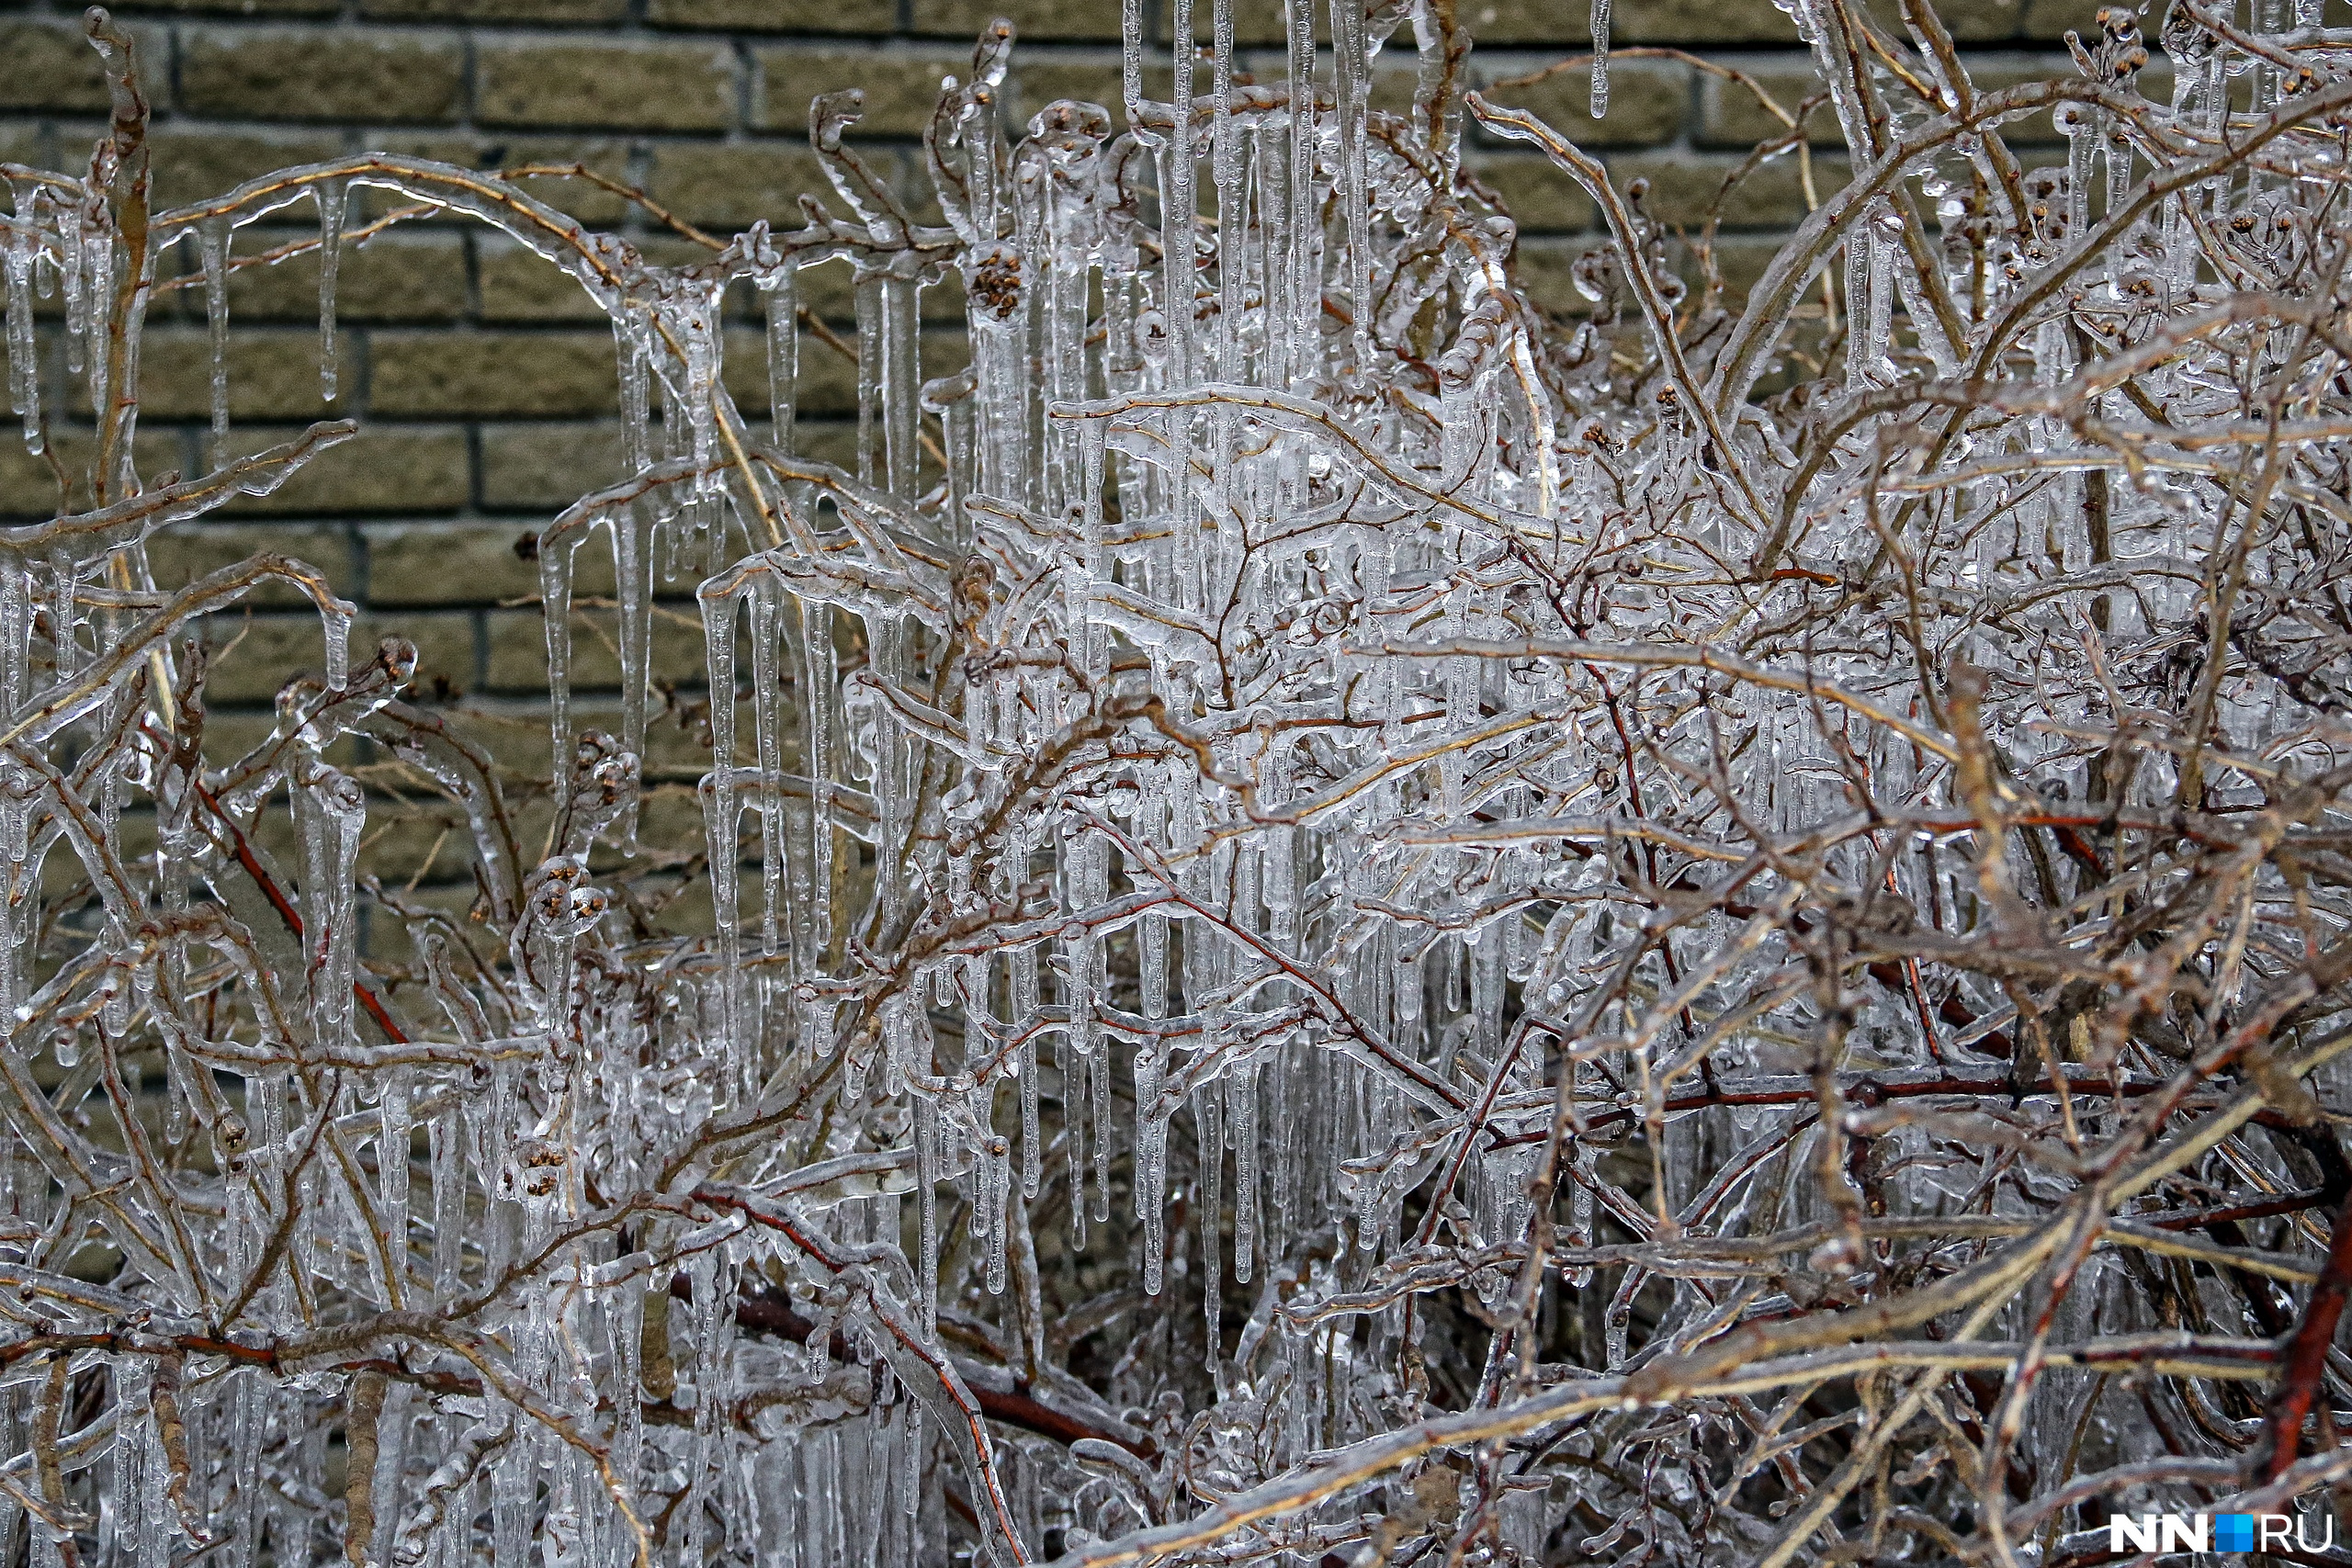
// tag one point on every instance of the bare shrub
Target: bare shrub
(1348, 923)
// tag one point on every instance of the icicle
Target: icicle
(448, 1177)
(334, 628)
(1301, 321)
(783, 297)
(1154, 965)
(1032, 1156)
(1151, 1164)
(1879, 329)
(767, 718)
(333, 809)
(819, 694)
(872, 364)
(1225, 171)
(1859, 289)
(514, 1483)
(632, 533)
(1349, 49)
(24, 347)
(1181, 205)
(1600, 96)
(1074, 1087)
(633, 349)
(331, 196)
(1207, 1125)
(392, 1160)
(991, 1184)
(1098, 1073)
(89, 253)
(212, 251)
(901, 377)
(1241, 1123)
(927, 1214)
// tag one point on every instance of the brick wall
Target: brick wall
(484, 381)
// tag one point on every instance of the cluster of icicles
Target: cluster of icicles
(1192, 821)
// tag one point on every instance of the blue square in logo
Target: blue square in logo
(2233, 1532)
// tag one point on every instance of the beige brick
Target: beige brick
(675, 816)
(1393, 81)
(1541, 198)
(458, 563)
(23, 144)
(1568, 26)
(241, 7)
(1731, 115)
(459, 901)
(1741, 260)
(29, 490)
(192, 163)
(669, 86)
(181, 555)
(1683, 187)
(244, 8)
(511, 729)
(518, 649)
(1544, 272)
(2046, 21)
(52, 66)
(1258, 25)
(578, 198)
(828, 381)
(492, 375)
(425, 840)
(255, 655)
(1998, 72)
(421, 840)
(517, 284)
(1980, 21)
(687, 912)
(1648, 102)
(902, 88)
(402, 274)
(545, 467)
(384, 469)
(480, 11)
(777, 16)
(729, 187)
(284, 74)
(574, 197)
(513, 733)
(833, 442)
(273, 375)
(828, 290)
(745, 372)
(1088, 78)
(229, 734)
(964, 20)
(677, 744)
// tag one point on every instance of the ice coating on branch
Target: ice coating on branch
(1329, 912)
